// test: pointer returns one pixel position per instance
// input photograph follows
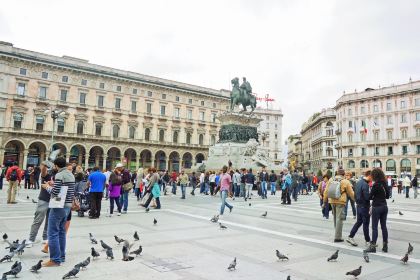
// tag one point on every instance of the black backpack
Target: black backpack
(13, 175)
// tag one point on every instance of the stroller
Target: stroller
(83, 197)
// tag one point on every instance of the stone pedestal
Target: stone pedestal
(238, 143)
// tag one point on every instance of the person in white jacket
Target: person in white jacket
(407, 184)
(236, 183)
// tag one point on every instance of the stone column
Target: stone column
(1, 156)
(96, 160)
(137, 161)
(104, 163)
(86, 161)
(167, 164)
(25, 158)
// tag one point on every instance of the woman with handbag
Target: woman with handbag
(126, 188)
(114, 189)
(153, 189)
(379, 209)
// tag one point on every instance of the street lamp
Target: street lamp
(55, 114)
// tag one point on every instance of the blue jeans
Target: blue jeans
(124, 200)
(202, 187)
(353, 208)
(407, 192)
(207, 188)
(173, 187)
(273, 187)
(183, 188)
(236, 189)
(264, 189)
(57, 234)
(326, 211)
(379, 214)
(363, 218)
(223, 196)
(295, 191)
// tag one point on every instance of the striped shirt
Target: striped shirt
(64, 178)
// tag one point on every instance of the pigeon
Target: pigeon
(215, 219)
(136, 236)
(5, 236)
(401, 213)
(15, 264)
(281, 256)
(92, 239)
(333, 257)
(222, 226)
(125, 250)
(19, 250)
(16, 268)
(232, 264)
(8, 257)
(36, 267)
(366, 256)
(119, 240)
(27, 197)
(12, 246)
(154, 221)
(105, 246)
(264, 215)
(34, 201)
(84, 263)
(355, 272)
(72, 272)
(410, 249)
(137, 252)
(405, 259)
(93, 253)
(109, 254)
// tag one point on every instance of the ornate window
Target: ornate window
(80, 127)
(115, 131)
(17, 120)
(147, 134)
(131, 132)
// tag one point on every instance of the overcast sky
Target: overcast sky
(303, 53)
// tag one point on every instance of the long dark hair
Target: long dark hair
(378, 176)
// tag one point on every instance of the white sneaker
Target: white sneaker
(351, 241)
(124, 212)
(119, 214)
(29, 244)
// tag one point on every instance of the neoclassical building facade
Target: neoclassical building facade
(318, 142)
(102, 115)
(380, 128)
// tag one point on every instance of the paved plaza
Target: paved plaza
(186, 245)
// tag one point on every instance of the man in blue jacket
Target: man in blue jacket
(363, 204)
(96, 182)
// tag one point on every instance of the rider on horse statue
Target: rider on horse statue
(242, 95)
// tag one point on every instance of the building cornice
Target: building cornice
(83, 66)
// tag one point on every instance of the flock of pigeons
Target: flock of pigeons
(356, 272)
(16, 248)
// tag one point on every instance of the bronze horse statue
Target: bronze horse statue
(239, 96)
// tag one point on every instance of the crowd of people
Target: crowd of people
(62, 184)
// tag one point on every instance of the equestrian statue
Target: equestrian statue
(242, 95)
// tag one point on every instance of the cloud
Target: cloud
(303, 53)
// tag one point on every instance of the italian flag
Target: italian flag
(364, 127)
